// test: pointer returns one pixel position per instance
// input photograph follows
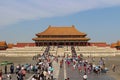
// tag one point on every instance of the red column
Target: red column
(46, 44)
(73, 43)
(52, 43)
(83, 43)
(37, 43)
(86, 43)
(80, 43)
(64, 44)
(69, 43)
(43, 43)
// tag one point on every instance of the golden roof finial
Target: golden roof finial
(49, 25)
(73, 26)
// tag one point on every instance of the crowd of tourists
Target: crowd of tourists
(85, 66)
(43, 69)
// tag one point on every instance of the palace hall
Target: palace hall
(61, 35)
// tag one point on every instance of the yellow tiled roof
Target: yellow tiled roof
(118, 43)
(2, 43)
(115, 44)
(61, 31)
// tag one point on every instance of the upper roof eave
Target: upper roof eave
(35, 39)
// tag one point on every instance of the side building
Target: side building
(116, 45)
(55, 35)
(3, 45)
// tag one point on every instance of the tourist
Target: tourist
(68, 63)
(0, 74)
(88, 68)
(31, 67)
(113, 68)
(19, 76)
(93, 59)
(68, 78)
(5, 69)
(79, 68)
(17, 69)
(41, 76)
(45, 74)
(51, 75)
(23, 71)
(9, 77)
(85, 76)
(74, 66)
(61, 63)
(57, 59)
(85, 67)
(12, 69)
(34, 78)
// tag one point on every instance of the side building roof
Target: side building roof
(3, 43)
(116, 44)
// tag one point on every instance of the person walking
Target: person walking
(5, 69)
(85, 76)
(61, 63)
(68, 63)
(34, 78)
(0, 74)
(68, 78)
(12, 69)
(45, 74)
(113, 68)
(51, 75)
(9, 77)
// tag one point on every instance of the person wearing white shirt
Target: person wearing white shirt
(85, 76)
(33, 78)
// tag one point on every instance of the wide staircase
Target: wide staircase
(53, 50)
(23, 51)
(74, 54)
(64, 50)
(67, 50)
(96, 51)
(60, 51)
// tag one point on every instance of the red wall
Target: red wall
(99, 44)
(24, 44)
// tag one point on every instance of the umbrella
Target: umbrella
(5, 63)
(51, 69)
(40, 62)
(96, 67)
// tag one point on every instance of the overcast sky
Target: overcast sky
(20, 20)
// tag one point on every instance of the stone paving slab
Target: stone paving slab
(56, 67)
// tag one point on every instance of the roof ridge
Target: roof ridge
(61, 26)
